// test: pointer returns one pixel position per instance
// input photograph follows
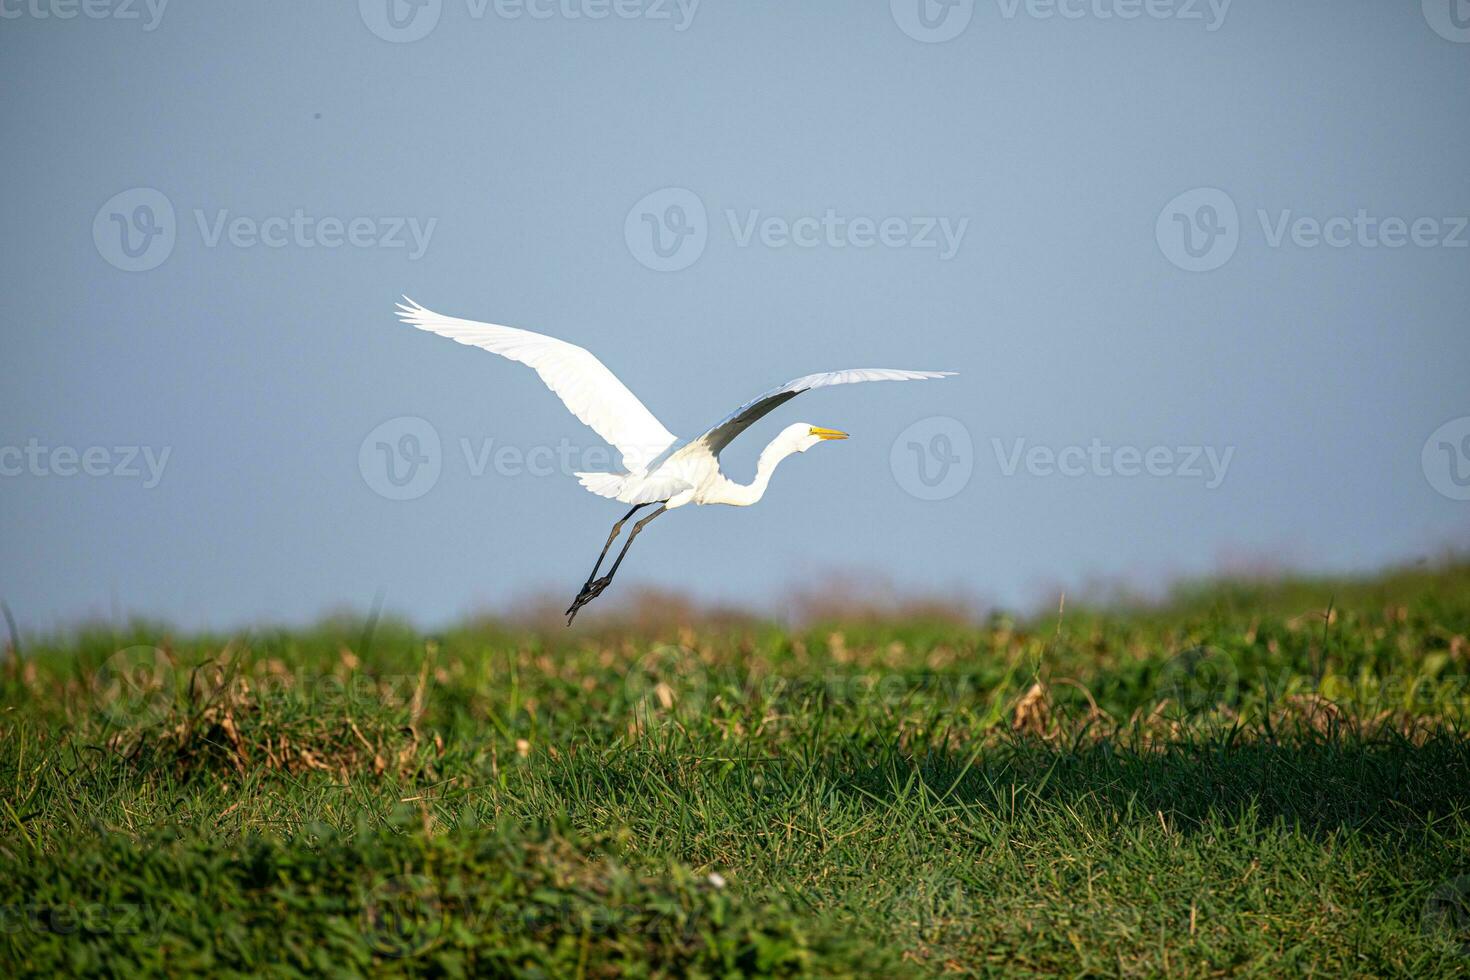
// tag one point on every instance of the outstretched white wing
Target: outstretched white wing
(720, 436)
(592, 392)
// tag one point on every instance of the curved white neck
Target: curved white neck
(743, 495)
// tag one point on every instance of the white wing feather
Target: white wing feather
(723, 432)
(592, 392)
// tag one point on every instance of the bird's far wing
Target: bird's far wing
(592, 392)
(720, 436)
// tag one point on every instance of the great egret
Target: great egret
(658, 468)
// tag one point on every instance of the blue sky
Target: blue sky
(1202, 269)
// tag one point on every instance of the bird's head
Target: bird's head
(803, 435)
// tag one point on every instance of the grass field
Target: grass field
(1247, 778)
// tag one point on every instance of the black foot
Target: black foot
(590, 591)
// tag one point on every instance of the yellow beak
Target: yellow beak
(822, 433)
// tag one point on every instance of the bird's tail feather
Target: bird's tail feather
(602, 484)
(631, 488)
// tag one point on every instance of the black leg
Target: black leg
(629, 543)
(610, 538)
(594, 588)
(587, 585)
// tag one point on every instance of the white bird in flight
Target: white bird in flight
(658, 468)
